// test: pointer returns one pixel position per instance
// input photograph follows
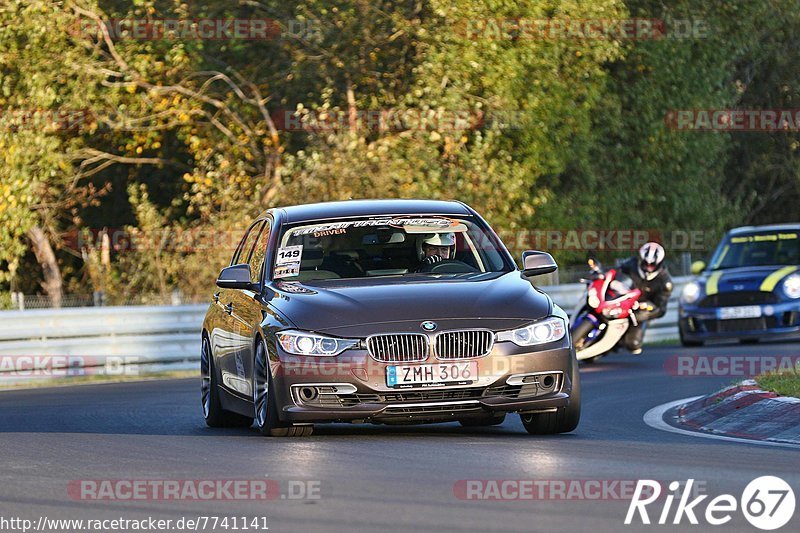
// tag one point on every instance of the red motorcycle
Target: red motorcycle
(604, 315)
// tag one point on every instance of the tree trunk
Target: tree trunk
(352, 110)
(52, 283)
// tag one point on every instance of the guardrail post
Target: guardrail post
(18, 300)
(99, 298)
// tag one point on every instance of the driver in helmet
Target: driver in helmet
(648, 274)
(434, 248)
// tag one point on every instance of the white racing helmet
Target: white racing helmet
(435, 239)
(651, 260)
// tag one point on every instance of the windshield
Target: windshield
(757, 249)
(385, 246)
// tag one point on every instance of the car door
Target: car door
(247, 306)
(231, 340)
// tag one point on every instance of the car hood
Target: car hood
(367, 305)
(751, 278)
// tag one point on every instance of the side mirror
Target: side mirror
(698, 266)
(236, 277)
(535, 263)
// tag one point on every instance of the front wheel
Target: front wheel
(266, 405)
(580, 334)
(580, 337)
(214, 414)
(563, 420)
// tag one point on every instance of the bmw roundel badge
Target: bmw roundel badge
(429, 325)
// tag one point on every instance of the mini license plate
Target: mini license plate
(430, 375)
(745, 311)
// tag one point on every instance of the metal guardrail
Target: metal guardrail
(170, 334)
(149, 333)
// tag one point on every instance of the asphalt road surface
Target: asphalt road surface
(378, 478)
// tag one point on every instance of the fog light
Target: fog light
(308, 394)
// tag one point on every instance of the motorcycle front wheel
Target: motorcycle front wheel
(580, 335)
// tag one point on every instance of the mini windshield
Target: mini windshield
(757, 249)
(386, 246)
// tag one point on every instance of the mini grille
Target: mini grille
(398, 348)
(741, 324)
(726, 299)
(464, 344)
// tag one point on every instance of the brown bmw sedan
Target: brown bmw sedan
(384, 311)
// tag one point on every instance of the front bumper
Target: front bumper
(777, 321)
(353, 387)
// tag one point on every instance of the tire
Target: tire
(215, 416)
(483, 422)
(564, 420)
(579, 334)
(687, 343)
(267, 420)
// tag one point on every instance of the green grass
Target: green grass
(785, 382)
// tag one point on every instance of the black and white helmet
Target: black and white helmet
(651, 260)
(436, 239)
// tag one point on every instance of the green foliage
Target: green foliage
(180, 135)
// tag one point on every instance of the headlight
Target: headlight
(301, 343)
(547, 330)
(691, 292)
(594, 300)
(791, 286)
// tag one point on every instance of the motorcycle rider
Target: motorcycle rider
(649, 275)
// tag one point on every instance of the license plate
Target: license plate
(745, 311)
(430, 375)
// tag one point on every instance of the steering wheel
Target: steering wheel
(448, 266)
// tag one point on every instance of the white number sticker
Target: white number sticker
(289, 254)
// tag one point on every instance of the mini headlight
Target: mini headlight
(302, 343)
(548, 330)
(691, 292)
(791, 286)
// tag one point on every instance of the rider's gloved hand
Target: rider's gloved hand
(431, 260)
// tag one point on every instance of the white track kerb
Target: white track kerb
(655, 419)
